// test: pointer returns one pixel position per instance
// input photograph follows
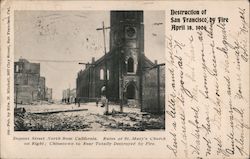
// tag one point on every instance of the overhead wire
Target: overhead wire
(47, 60)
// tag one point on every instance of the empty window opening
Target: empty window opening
(130, 65)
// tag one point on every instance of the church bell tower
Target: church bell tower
(127, 41)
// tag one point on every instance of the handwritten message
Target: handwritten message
(208, 87)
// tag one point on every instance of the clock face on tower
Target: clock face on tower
(130, 32)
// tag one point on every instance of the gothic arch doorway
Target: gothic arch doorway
(130, 91)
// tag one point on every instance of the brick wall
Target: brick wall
(26, 94)
(29, 85)
(41, 88)
(89, 82)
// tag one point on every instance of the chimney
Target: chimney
(156, 62)
(93, 60)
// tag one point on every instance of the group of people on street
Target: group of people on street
(103, 100)
(65, 100)
(68, 101)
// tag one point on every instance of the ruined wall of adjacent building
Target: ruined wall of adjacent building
(154, 90)
(48, 94)
(29, 85)
(41, 88)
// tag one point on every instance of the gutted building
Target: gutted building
(48, 94)
(119, 73)
(29, 85)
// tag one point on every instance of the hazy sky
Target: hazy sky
(71, 36)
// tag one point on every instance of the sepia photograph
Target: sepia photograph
(89, 70)
(124, 79)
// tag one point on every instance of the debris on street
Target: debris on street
(88, 121)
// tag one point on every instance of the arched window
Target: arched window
(17, 68)
(130, 65)
(130, 91)
(107, 74)
(101, 74)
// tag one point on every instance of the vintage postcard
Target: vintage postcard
(124, 79)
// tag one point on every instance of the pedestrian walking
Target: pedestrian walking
(78, 102)
(75, 101)
(97, 101)
(103, 101)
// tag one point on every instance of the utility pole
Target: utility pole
(158, 89)
(69, 95)
(105, 65)
(121, 80)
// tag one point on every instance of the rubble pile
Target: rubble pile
(151, 121)
(19, 122)
(79, 121)
(132, 121)
(52, 122)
